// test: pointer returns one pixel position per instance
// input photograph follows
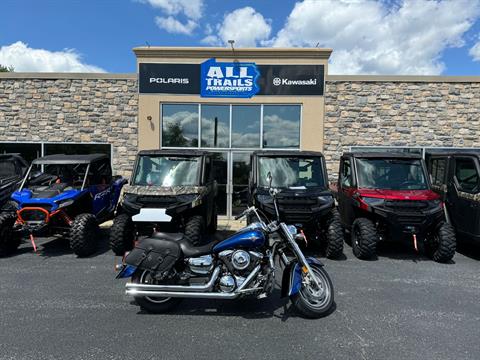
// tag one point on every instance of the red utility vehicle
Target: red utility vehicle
(388, 197)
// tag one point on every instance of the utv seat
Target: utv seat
(188, 249)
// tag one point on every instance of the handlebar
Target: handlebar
(245, 212)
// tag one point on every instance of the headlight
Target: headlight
(65, 203)
(371, 201)
(324, 199)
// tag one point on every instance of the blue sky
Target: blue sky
(368, 37)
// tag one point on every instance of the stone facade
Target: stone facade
(85, 109)
(435, 113)
(103, 108)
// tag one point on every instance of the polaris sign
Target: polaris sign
(231, 80)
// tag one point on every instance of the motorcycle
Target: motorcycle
(166, 268)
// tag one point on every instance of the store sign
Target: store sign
(291, 79)
(230, 80)
(168, 78)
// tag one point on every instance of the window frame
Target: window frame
(217, 149)
(455, 179)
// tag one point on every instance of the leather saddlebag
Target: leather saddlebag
(156, 255)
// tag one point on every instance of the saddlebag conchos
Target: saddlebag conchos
(157, 255)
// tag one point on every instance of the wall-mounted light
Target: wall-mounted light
(152, 126)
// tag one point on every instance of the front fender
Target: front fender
(292, 277)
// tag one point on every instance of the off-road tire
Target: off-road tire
(150, 305)
(194, 229)
(212, 227)
(10, 206)
(122, 234)
(9, 240)
(334, 236)
(441, 246)
(84, 233)
(364, 239)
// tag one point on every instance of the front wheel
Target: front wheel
(155, 305)
(311, 301)
(84, 234)
(364, 239)
(442, 244)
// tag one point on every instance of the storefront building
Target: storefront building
(231, 102)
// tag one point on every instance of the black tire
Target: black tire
(84, 233)
(364, 239)
(212, 227)
(194, 229)
(122, 234)
(305, 301)
(10, 206)
(334, 236)
(152, 304)
(442, 244)
(9, 240)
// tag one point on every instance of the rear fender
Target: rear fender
(126, 272)
(292, 277)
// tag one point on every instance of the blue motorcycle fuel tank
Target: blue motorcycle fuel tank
(249, 237)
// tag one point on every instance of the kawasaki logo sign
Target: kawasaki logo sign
(237, 80)
(231, 79)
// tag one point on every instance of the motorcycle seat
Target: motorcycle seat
(168, 236)
(187, 248)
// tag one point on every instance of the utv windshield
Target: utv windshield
(168, 171)
(289, 172)
(391, 174)
(66, 174)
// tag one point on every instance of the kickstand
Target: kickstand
(32, 240)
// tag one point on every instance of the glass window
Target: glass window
(346, 178)
(73, 149)
(466, 175)
(391, 174)
(246, 126)
(180, 125)
(168, 171)
(215, 126)
(281, 126)
(28, 151)
(437, 170)
(291, 172)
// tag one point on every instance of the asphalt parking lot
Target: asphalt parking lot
(55, 306)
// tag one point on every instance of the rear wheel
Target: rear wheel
(442, 244)
(156, 305)
(194, 229)
(84, 234)
(9, 240)
(122, 234)
(334, 236)
(312, 301)
(364, 238)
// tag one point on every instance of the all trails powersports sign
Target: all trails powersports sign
(213, 79)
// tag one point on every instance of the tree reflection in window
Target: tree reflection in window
(180, 125)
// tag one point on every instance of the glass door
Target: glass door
(240, 168)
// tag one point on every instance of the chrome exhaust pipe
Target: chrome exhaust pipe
(196, 295)
(190, 288)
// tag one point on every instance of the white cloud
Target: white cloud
(371, 38)
(27, 59)
(191, 10)
(172, 25)
(475, 51)
(246, 26)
